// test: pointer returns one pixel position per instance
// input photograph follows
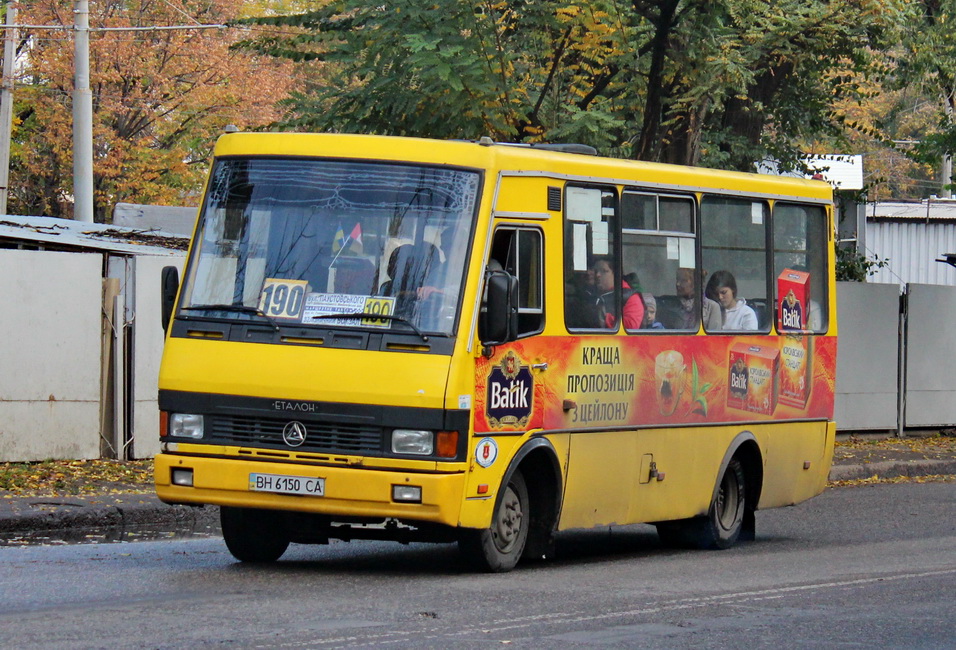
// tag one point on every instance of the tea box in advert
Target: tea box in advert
(796, 370)
(793, 296)
(753, 378)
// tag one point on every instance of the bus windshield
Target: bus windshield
(331, 243)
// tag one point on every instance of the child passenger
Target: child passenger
(650, 313)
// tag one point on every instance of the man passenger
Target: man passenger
(685, 317)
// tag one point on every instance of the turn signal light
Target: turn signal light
(446, 444)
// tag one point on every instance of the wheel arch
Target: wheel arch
(538, 461)
(744, 448)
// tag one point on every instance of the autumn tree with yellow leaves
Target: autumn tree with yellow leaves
(160, 98)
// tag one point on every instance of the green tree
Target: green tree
(928, 60)
(443, 69)
(722, 83)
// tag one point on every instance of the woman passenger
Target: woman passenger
(737, 314)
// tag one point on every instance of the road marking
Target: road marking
(517, 623)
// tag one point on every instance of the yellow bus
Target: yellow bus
(486, 343)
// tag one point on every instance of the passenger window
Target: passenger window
(799, 264)
(658, 241)
(592, 269)
(519, 252)
(735, 260)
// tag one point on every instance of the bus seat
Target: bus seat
(668, 310)
(760, 308)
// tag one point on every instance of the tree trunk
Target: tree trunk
(649, 144)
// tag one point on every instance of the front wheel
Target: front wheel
(253, 535)
(498, 548)
(721, 526)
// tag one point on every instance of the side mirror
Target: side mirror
(499, 320)
(168, 289)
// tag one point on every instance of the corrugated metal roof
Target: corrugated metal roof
(50, 233)
(932, 210)
(162, 218)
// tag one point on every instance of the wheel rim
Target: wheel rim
(507, 527)
(728, 500)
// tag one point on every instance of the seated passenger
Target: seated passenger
(633, 312)
(686, 318)
(737, 315)
(396, 260)
(411, 270)
(650, 313)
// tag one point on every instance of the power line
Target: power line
(154, 28)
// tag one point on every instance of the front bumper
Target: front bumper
(350, 491)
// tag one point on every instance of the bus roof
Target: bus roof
(511, 159)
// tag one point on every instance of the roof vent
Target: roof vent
(570, 147)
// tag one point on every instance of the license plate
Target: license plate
(283, 484)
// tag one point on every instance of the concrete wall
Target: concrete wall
(872, 342)
(78, 372)
(867, 356)
(50, 349)
(930, 356)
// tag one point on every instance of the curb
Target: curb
(114, 518)
(893, 469)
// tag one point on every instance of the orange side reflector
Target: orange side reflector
(483, 488)
(447, 444)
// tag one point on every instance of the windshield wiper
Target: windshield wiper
(241, 309)
(366, 314)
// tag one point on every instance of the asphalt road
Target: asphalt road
(871, 566)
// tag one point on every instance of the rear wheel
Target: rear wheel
(253, 535)
(498, 548)
(721, 526)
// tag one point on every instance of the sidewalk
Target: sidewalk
(138, 516)
(868, 456)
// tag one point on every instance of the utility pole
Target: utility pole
(6, 101)
(82, 115)
(947, 172)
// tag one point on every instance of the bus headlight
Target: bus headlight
(185, 425)
(411, 441)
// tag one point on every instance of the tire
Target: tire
(721, 526)
(498, 548)
(255, 536)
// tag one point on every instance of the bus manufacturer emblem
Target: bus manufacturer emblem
(294, 433)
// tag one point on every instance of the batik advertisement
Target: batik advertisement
(610, 382)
